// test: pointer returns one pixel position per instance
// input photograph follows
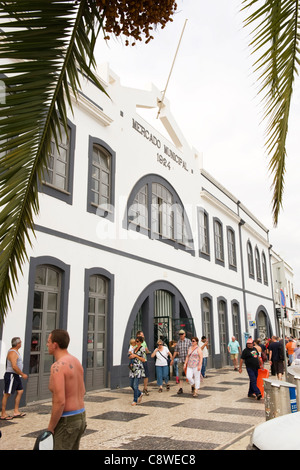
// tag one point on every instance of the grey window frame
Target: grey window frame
(202, 212)
(108, 213)
(131, 224)
(65, 195)
(231, 252)
(220, 261)
(258, 265)
(264, 268)
(250, 259)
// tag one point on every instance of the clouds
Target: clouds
(213, 82)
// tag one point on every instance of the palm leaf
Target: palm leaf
(276, 40)
(44, 48)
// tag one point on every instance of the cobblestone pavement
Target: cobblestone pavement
(222, 417)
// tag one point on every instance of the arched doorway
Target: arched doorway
(47, 309)
(263, 325)
(159, 311)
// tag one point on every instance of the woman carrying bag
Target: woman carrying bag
(193, 364)
(137, 370)
(161, 365)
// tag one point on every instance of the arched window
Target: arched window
(58, 172)
(250, 260)
(219, 242)
(101, 166)
(101, 179)
(231, 248)
(203, 231)
(155, 209)
(257, 265)
(264, 268)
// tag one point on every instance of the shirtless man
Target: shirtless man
(67, 421)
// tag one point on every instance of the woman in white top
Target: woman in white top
(161, 365)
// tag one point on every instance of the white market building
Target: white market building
(134, 234)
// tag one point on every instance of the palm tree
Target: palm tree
(45, 46)
(48, 48)
(276, 37)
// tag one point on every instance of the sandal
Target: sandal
(160, 390)
(21, 415)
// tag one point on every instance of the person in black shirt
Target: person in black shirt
(276, 358)
(251, 358)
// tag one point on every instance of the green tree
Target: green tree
(45, 46)
(275, 31)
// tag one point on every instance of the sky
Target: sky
(213, 93)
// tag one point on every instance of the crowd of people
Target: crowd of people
(278, 352)
(187, 357)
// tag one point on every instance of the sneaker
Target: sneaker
(180, 391)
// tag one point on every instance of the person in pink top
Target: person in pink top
(193, 364)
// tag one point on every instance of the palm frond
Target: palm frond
(44, 47)
(276, 39)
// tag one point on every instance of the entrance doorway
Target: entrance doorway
(207, 327)
(160, 312)
(96, 333)
(262, 325)
(45, 318)
(223, 332)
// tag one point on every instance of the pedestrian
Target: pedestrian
(12, 379)
(68, 420)
(161, 365)
(193, 364)
(181, 350)
(290, 347)
(251, 358)
(137, 371)
(259, 350)
(234, 349)
(204, 347)
(172, 345)
(276, 357)
(132, 345)
(146, 377)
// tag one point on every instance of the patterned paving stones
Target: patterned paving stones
(220, 416)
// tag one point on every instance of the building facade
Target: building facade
(134, 234)
(286, 300)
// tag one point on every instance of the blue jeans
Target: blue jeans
(162, 374)
(134, 384)
(253, 388)
(203, 368)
